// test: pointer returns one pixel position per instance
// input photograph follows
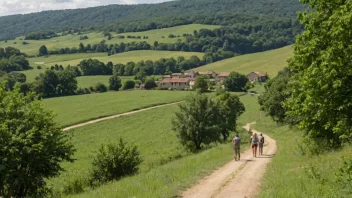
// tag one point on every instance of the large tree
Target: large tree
(196, 122)
(236, 82)
(43, 51)
(32, 146)
(201, 83)
(114, 83)
(230, 108)
(322, 89)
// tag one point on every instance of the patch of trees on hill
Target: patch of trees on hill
(11, 59)
(40, 35)
(132, 18)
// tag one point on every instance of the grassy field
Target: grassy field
(164, 159)
(74, 59)
(266, 62)
(88, 81)
(305, 175)
(95, 37)
(76, 109)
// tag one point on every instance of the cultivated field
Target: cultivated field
(95, 37)
(270, 61)
(164, 159)
(74, 59)
(75, 109)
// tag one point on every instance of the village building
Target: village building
(210, 73)
(222, 76)
(175, 83)
(257, 77)
(191, 74)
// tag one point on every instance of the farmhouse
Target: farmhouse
(191, 74)
(221, 77)
(257, 77)
(210, 73)
(175, 83)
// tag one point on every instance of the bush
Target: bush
(39, 67)
(80, 91)
(100, 87)
(130, 84)
(87, 91)
(149, 83)
(74, 186)
(91, 88)
(114, 83)
(114, 161)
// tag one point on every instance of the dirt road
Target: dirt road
(115, 116)
(236, 178)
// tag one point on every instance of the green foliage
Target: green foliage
(150, 83)
(236, 82)
(322, 96)
(94, 67)
(230, 108)
(114, 83)
(12, 78)
(129, 85)
(202, 83)
(31, 145)
(344, 176)
(43, 51)
(276, 92)
(40, 35)
(114, 161)
(56, 83)
(100, 87)
(11, 59)
(196, 122)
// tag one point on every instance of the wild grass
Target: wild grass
(88, 81)
(266, 62)
(76, 109)
(167, 168)
(96, 37)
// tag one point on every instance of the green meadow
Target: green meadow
(96, 37)
(266, 62)
(164, 159)
(76, 109)
(91, 81)
(75, 59)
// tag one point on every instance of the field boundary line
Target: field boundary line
(117, 115)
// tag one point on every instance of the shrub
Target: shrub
(130, 84)
(80, 91)
(87, 91)
(114, 83)
(100, 87)
(114, 161)
(91, 88)
(39, 67)
(150, 83)
(74, 186)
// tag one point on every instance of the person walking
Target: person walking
(261, 143)
(236, 143)
(254, 143)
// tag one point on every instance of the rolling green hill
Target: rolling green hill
(133, 18)
(32, 48)
(74, 59)
(266, 62)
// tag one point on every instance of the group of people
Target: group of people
(255, 141)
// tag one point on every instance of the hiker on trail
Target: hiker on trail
(261, 143)
(236, 144)
(254, 143)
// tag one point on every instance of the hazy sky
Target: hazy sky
(9, 7)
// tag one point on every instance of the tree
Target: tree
(128, 85)
(32, 146)
(149, 83)
(115, 161)
(114, 83)
(276, 92)
(196, 122)
(202, 83)
(236, 82)
(100, 87)
(230, 109)
(322, 96)
(43, 51)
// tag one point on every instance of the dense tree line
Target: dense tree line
(11, 59)
(133, 18)
(40, 35)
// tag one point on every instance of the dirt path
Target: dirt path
(236, 178)
(115, 116)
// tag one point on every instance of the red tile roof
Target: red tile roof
(260, 74)
(175, 80)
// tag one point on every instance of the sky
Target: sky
(10, 7)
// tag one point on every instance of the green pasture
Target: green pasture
(96, 37)
(164, 158)
(76, 109)
(75, 59)
(269, 62)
